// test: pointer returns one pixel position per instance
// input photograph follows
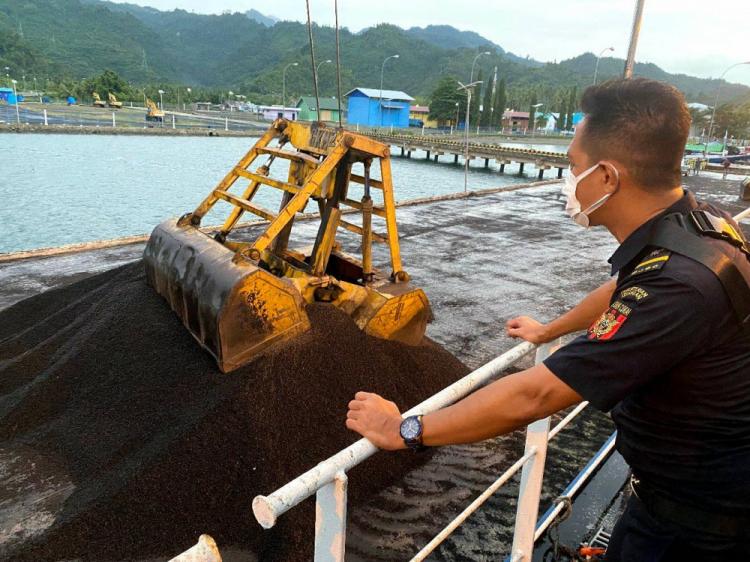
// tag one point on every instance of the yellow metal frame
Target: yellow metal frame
(321, 156)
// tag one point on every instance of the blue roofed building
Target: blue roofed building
(367, 107)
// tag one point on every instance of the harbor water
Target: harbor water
(66, 189)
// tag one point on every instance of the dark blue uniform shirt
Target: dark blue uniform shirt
(670, 360)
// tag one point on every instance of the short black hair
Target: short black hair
(640, 122)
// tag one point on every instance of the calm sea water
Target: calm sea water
(63, 189)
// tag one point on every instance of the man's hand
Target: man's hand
(528, 329)
(377, 419)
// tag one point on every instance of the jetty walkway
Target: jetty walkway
(436, 147)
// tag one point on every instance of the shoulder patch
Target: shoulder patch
(633, 293)
(651, 262)
(610, 322)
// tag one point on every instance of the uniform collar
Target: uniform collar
(633, 244)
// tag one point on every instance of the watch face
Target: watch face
(410, 428)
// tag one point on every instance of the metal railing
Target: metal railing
(329, 482)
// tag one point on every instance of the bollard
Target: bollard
(114, 121)
(226, 123)
(173, 121)
(45, 118)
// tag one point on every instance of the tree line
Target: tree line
(492, 97)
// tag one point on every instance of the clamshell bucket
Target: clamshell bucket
(232, 307)
(238, 298)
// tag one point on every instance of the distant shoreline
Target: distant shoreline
(155, 131)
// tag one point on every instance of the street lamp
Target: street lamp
(468, 101)
(317, 68)
(380, 99)
(189, 90)
(474, 62)
(161, 99)
(283, 82)
(533, 125)
(716, 102)
(457, 116)
(15, 95)
(467, 88)
(596, 68)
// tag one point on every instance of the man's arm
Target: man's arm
(579, 317)
(507, 404)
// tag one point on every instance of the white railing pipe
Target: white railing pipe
(566, 420)
(268, 508)
(473, 506)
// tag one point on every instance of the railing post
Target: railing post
(204, 551)
(330, 520)
(532, 477)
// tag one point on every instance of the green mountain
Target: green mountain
(268, 21)
(446, 36)
(83, 39)
(246, 52)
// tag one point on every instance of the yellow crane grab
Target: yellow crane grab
(238, 297)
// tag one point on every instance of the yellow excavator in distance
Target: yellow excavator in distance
(98, 102)
(239, 297)
(112, 101)
(153, 113)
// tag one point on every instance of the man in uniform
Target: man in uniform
(666, 350)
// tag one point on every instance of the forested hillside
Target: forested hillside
(77, 39)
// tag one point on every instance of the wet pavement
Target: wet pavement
(481, 261)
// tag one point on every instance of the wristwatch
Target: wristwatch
(411, 432)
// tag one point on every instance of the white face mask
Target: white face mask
(573, 205)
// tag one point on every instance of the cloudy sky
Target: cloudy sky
(690, 36)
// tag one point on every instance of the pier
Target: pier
(434, 147)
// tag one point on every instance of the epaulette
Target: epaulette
(652, 261)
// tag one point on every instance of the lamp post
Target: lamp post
(467, 88)
(468, 101)
(596, 68)
(317, 68)
(15, 95)
(716, 102)
(161, 99)
(474, 62)
(230, 93)
(533, 125)
(283, 82)
(189, 90)
(457, 104)
(380, 99)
